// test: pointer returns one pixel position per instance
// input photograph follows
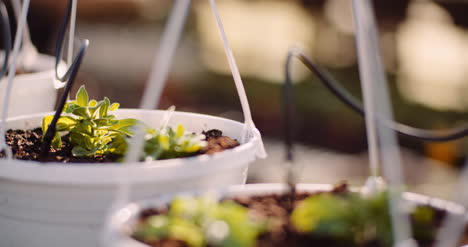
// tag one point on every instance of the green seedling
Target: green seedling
(354, 220)
(168, 143)
(203, 221)
(92, 130)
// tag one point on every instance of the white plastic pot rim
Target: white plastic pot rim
(254, 133)
(269, 188)
(140, 172)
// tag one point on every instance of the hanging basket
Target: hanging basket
(36, 91)
(123, 222)
(56, 204)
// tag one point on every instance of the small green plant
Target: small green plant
(92, 130)
(356, 220)
(203, 221)
(168, 143)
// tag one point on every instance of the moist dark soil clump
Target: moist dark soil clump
(217, 142)
(22, 71)
(26, 145)
(280, 206)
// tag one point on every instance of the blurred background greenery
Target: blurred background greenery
(424, 45)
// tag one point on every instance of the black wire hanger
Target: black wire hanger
(341, 93)
(6, 38)
(69, 77)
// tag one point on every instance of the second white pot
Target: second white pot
(33, 92)
(48, 205)
(120, 225)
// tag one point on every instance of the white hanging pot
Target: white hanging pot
(53, 204)
(118, 230)
(33, 92)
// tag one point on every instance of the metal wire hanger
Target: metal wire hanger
(348, 99)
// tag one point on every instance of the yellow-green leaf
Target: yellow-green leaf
(164, 142)
(57, 141)
(192, 149)
(114, 106)
(180, 131)
(82, 97)
(92, 103)
(125, 125)
(82, 112)
(45, 123)
(104, 108)
(65, 123)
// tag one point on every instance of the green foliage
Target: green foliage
(203, 221)
(423, 228)
(161, 226)
(325, 214)
(356, 220)
(169, 143)
(92, 130)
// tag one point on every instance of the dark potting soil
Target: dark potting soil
(216, 142)
(284, 234)
(26, 145)
(22, 71)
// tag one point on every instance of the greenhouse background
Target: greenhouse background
(424, 46)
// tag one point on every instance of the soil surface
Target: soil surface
(22, 71)
(217, 142)
(284, 235)
(26, 145)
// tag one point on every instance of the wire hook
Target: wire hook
(344, 96)
(6, 34)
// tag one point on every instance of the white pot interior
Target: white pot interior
(33, 92)
(88, 173)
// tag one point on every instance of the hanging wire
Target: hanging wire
(287, 108)
(344, 96)
(69, 77)
(288, 134)
(60, 41)
(74, 68)
(6, 37)
(10, 78)
(6, 33)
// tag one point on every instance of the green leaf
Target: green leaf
(82, 112)
(156, 227)
(187, 231)
(324, 215)
(114, 106)
(69, 107)
(118, 145)
(79, 151)
(93, 111)
(92, 103)
(125, 126)
(57, 141)
(164, 142)
(65, 123)
(104, 108)
(77, 138)
(84, 129)
(180, 131)
(45, 123)
(82, 97)
(103, 122)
